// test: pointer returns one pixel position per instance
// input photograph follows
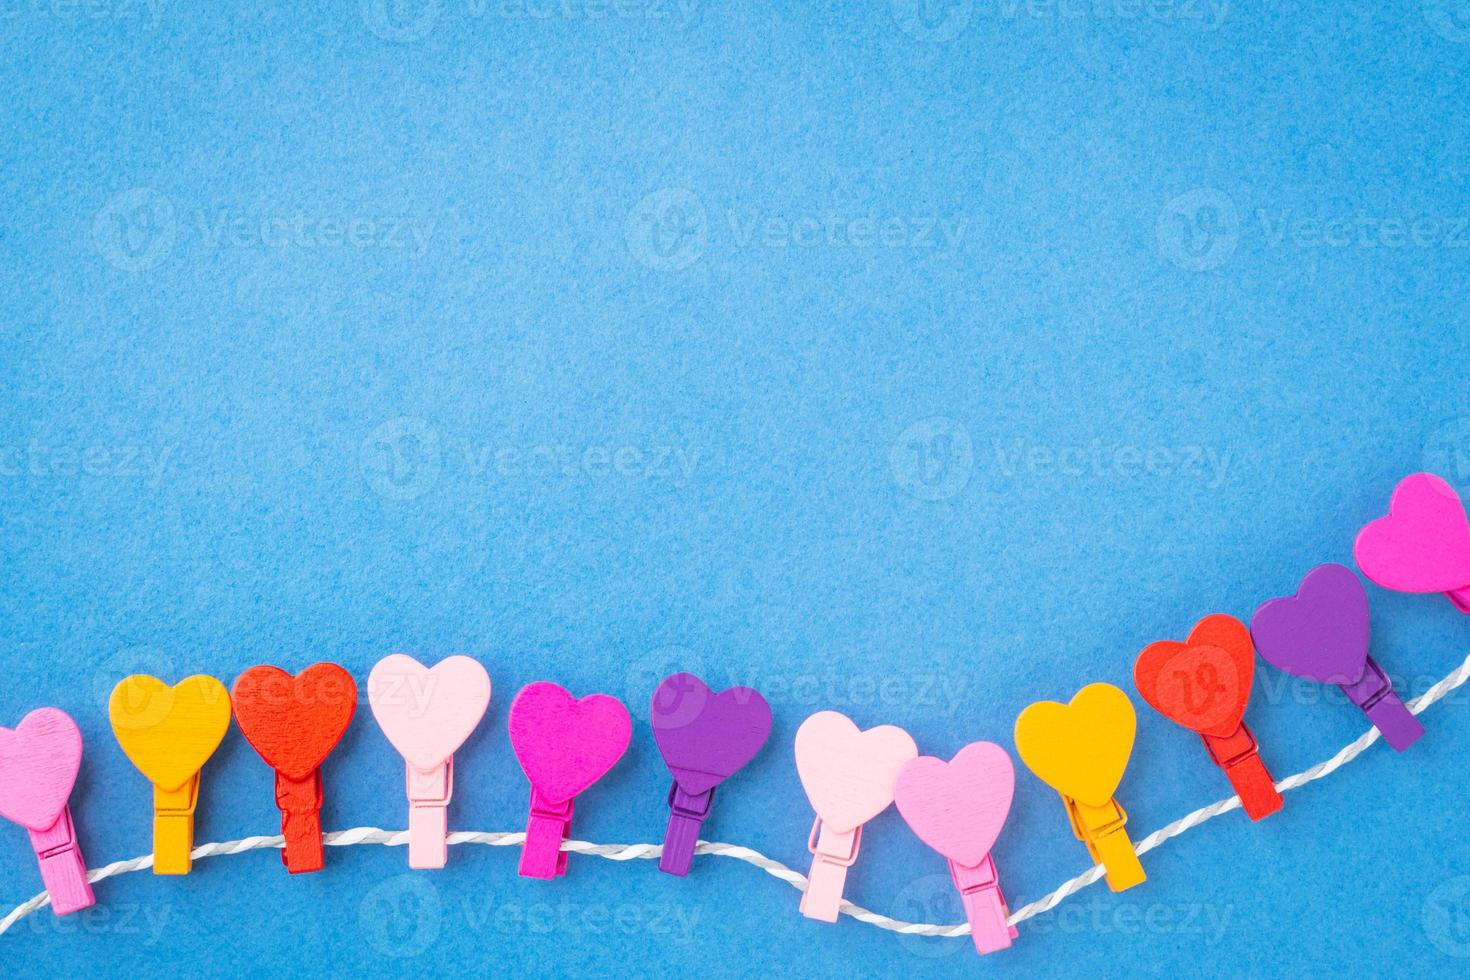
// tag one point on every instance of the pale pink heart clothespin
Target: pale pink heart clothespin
(39, 760)
(958, 808)
(849, 776)
(427, 713)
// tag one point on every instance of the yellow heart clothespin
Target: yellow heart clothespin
(169, 733)
(1080, 750)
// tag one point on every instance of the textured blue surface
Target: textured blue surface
(915, 361)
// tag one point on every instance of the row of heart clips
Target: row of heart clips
(565, 744)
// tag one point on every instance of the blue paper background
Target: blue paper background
(918, 361)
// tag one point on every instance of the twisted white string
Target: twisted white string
(627, 852)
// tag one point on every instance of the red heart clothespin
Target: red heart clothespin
(294, 723)
(1204, 684)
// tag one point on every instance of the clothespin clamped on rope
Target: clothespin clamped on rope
(1321, 633)
(1080, 750)
(1203, 684)
(849, 777)
(427, 714)
(39, 759)
(169, 733)
(294, 723)
(958, 808)
(564, 745)
(704, 738)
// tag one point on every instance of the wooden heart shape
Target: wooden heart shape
(427, 713)
(1079, 749)
(958, 807)
(294, 722)
(1321, 632)
(565, 744)
(849, 774)
(1204, 682)
(706, 737)
(39, 759)
(1422, 544)
(169, 732)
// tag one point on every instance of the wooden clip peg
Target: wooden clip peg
(1203, 684)
(294, 723)
(39, 760)
(564, 745)
(427, 714)
(169, 733)
(958, 808)
(1080, 750)
(1321, 633)
(849, 777)
(704, 738)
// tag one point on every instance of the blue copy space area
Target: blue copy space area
(918, 361)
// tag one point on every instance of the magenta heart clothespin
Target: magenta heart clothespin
(1422, 544)
(704, 738)
(39, 760)
(849, 777)
(958, 808)
(1321, 633)
(427, 713)
(564, 745)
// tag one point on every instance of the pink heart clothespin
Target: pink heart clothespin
(849, 777)
(564, 745)
(427, 713)
(39, 760)
(1422, 544)
(958, 808)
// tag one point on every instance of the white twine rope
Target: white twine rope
(627, 852)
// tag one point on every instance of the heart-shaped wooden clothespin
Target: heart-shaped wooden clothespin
(168, 733)
(958, 808)
(704, 738)
(294, 723)
(1080, 750)
(564, 745)
(1422, 544)
(427, 713)
(1204, 684)
(1321, 633)
(39, 760)
(849, 777)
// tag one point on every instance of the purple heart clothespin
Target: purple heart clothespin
(1321, 633)
(704, 738)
